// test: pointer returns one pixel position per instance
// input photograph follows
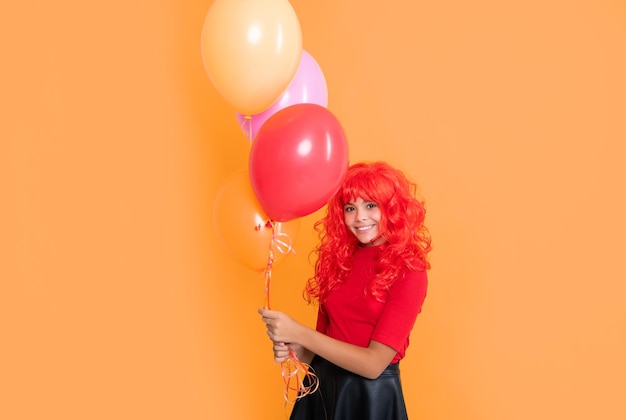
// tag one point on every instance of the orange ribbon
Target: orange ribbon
(298, 377)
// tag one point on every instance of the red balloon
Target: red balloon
(298, 161)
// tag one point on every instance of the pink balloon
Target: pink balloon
(308, 86)
(298, 161)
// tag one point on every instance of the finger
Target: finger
(281, 347)
(268, 313)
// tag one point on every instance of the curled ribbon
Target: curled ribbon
(280, 242)
(298, 377)
(284, 247)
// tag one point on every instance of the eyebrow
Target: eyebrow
(364, 202)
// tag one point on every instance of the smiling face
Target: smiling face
(362, 219)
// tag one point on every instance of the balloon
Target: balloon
(307, 86)
(298, 161)
(251, 50)
(243, 228)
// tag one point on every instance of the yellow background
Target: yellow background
(117, 302)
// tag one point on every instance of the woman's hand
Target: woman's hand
(282, 351)
(285, 335)
(281, 328)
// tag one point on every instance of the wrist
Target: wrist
(304, 338)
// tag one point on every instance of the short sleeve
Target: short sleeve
(322, 320)
(403, 304)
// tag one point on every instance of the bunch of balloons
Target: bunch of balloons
(252, 53)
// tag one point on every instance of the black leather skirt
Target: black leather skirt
(343, 395)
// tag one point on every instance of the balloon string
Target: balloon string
(247, 119)
(284, 247)
(270, 263)
(282, 243)
(268, 277)
(298, 377)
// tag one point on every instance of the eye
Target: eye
(348, 209)
(371, 205)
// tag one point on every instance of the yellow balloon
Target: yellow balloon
(244, 231)
(251, 50)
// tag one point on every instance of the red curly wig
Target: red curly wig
(402, 225)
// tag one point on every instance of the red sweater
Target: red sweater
(352, 316)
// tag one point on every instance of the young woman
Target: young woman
(370, 283)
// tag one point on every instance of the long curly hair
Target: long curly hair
(402, 225)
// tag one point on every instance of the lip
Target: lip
(364, 228)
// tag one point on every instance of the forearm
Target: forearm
(365, 361)
(368, 362)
